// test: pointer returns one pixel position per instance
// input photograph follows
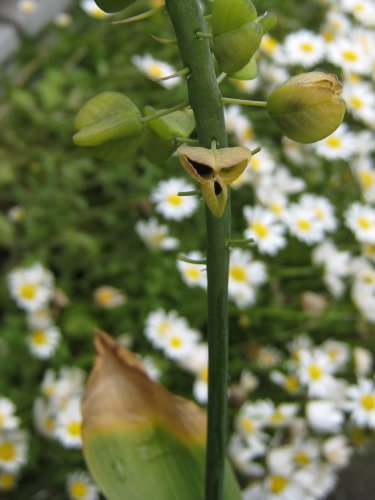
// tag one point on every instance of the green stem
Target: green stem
(205, 100)
(164, 112)
(244, 102)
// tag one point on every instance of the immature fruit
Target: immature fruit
(308, 107)
(109, 125)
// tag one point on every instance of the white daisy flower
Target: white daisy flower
(179, 343)
(365, 173)
(339, 145)
(160, 325)
(69, 425)
(324, 416)
(272, 47)
(245, 276)
(44, 342)
(264, 228)
(193, 274)
(15, 214)
(303, 223)
(360, 101)
(362, 10)
(336, 263)
(200, 387)
(336, 24)
(298, 345)
(108, 297)
(349, 54)
(272, 75)
(260, 164)
(315, 372)
(304, 48)
(156, 69)
(361, 403)
(363, 361)
(248, 86)
(289, 382)
(32, 287)
(13, 450)
(250, 421)
(44, 414)
(338, 353)
(27, 6)
(155, 235)
(151, 368)
(80, 486)
(91, 9)
(360, 219)
(283, 414)
(169, 204)
(323, 209)
(8, 421)
(241, 457)
(336, 451)
(63, 20)
(238, 124)
(39, 319)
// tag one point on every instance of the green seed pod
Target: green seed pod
(237, 33)
(248, 72)
(214, 169)
(308, 107)
(112, 6)
(158, 141)
(110, 125)
(230, 15)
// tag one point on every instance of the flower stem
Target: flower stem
(164, 112)
(244, 102)
(205, 100)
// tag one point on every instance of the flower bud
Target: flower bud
(105, 121)
(111, 6)
(308, 107)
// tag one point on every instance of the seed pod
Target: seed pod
(214, 169)
(308, 107)
(139, 440)
(158, 141)
(110, 125)
(237, 33)
(112, 6)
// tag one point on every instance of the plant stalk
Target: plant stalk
(205, 100)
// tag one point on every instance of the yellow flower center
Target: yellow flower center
(332, 354)
(104, 297)
(328, 36)
(269, 43)
(255, 163)
(368, 402)
(78, 490)
(49, 424)
(276, 208)
(7, 481)
(277, 417)
(366, 178)
(238, 273)
(174, 199)
(193, 273)
(7, 452)
(74, 428)
(356, 102)
(175, 341)
(155, 71)
(304, 225)
(248, 425)
(350, 55)
(334, 142)
(260, 229)
(203, 375)
(307, 46)
(359, 7)
(302, 458)
(163, 328)
(28, 291)
(278, 483)
(291, 383)
(363, 223)
(39, 337)
(315, 371)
